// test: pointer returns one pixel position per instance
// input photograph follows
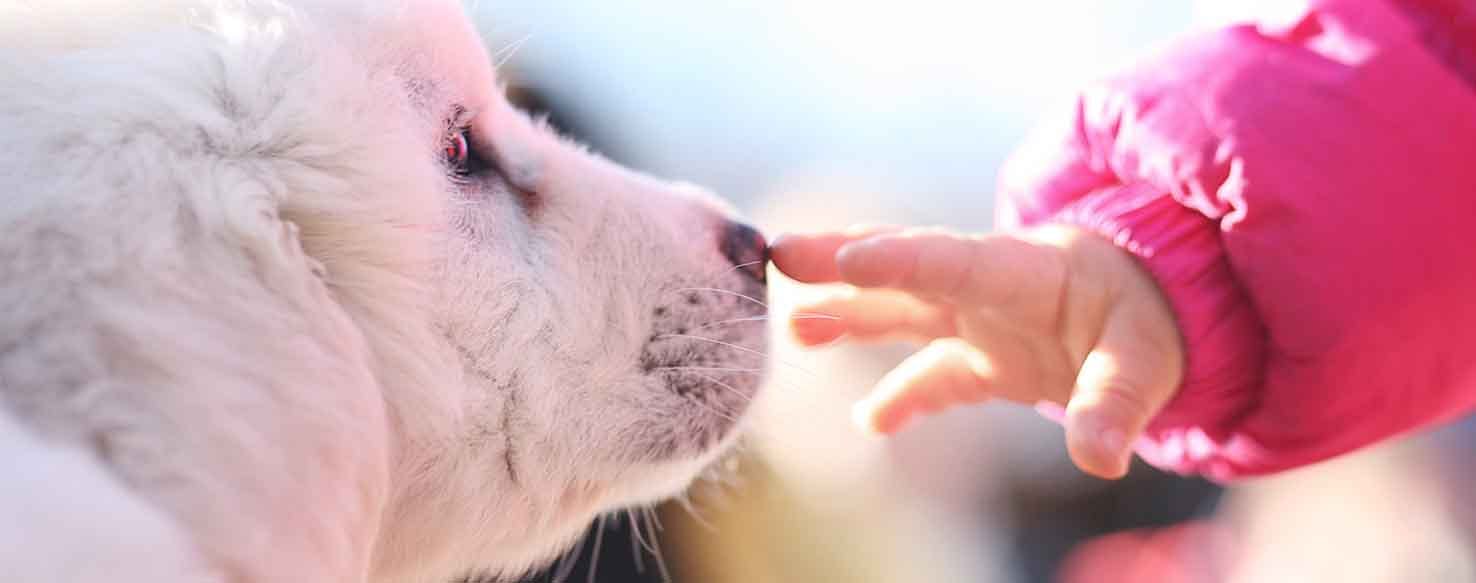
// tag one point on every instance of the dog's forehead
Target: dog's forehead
(443, 55)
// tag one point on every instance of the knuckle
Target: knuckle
(1119, 391)
(1027, 271)
(941, 269)
(1125, 398)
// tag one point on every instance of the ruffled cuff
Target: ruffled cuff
(1222, 333)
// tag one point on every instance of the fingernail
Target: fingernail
(780, 246)
(1051, 411)
(812, 331)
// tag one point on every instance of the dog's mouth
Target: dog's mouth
(708, 348)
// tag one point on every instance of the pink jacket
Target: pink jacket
(1305, 195)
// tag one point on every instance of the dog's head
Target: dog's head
(554, 336)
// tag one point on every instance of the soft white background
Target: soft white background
(922, 97)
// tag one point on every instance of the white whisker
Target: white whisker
(566, 564)
(714, 410)
(709, 369)
(594, 557)
(754, 371)
(686, 501)
(717, 342)
(733, 321)
(725, 292)
(655, 519)
(730, 388)
(661, 565)
(505, 54)
(735, 347)
(765, 318)
(745, 266)
(656, 552)
(635, 543)
(640, 533)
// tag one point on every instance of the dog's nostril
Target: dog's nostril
(747, 249)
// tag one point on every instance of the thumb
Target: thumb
(1124, 382)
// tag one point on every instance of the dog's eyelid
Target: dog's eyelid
(460, 118)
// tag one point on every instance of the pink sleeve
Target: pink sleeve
(1306, 198)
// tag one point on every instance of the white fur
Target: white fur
(251, 325)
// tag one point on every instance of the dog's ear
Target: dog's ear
(199, 355)
(379, 268)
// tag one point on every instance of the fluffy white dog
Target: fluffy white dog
(289, 292)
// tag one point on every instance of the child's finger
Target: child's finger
(870, 315)
(956, 268)
(946, 373)
(1130, 375)
(810, 258)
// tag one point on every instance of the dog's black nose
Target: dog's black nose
(747, 249)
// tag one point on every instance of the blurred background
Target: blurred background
(816, 114)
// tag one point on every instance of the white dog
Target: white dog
(289, 292)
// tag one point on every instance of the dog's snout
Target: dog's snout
(747, 249)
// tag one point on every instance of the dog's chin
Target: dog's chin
(662, 482)
(645, 486)
(671, 469)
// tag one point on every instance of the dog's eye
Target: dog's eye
(461, 156)
(458, 149)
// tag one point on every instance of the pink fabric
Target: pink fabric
(1305, 195)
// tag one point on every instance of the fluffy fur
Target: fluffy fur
(254, 326)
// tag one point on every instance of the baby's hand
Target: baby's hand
(1056, 316)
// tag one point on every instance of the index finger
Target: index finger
(938, 265)
(810, 258)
